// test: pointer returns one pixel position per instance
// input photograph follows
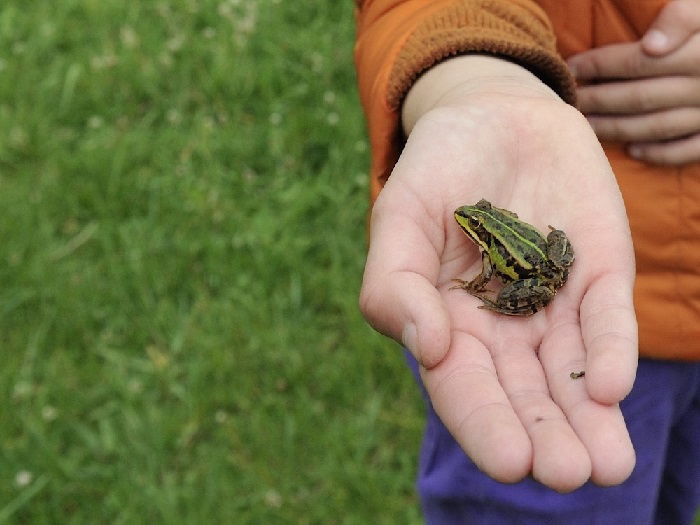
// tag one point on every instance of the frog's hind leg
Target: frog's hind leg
(559, 249)
(520, 298)
(523, 310)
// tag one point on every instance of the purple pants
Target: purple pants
(663, 417)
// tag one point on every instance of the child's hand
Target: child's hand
(647, 93)
(483, 127)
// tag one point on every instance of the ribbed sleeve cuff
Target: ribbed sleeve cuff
(481, 26)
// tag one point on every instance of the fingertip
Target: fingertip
(428, 349)
(656, 42)
(675, 24)
(566, 476)
(408, 308)
(616, 467)
(561, 461)
(498, 444)
(610, 374)
(614, 461)
(427, 333)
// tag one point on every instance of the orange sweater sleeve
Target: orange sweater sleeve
(397, 40)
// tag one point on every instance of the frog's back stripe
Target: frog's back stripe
(513, 234)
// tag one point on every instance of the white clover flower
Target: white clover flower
(333, 118)
(275, 119)
(23, 478)
(49, 413)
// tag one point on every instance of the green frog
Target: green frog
(531, 267)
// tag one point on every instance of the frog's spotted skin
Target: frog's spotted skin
(531, 267)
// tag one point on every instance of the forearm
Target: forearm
(451, 81)
(399, 41)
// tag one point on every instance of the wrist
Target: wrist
(452, 81)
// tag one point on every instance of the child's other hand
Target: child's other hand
(647, 93)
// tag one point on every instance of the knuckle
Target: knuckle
(642, 100)
(636, 63)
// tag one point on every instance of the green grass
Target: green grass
(184, 199)
(183, 195)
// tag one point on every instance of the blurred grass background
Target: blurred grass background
(183, 194)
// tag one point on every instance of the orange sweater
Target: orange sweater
(399, 39)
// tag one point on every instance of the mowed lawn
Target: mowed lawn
(183, 192)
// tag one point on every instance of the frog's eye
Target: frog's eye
(475, 223)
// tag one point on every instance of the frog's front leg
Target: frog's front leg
(480, 281)
(522, 298)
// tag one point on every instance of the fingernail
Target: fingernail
(409, 338)
(656, 40)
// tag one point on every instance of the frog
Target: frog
(531, 267)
